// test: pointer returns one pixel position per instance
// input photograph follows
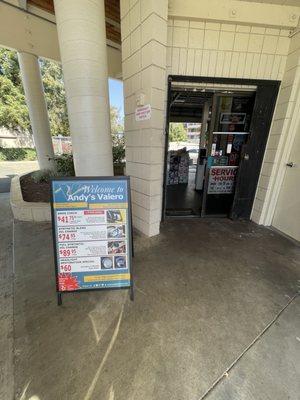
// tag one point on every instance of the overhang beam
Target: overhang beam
(23, 31)
(233, 11)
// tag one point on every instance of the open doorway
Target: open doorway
(190, 112)
(215, 142)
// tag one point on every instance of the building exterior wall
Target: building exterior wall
(13, 139)
(202, 48)
(199, 47)
(284, 135)
(226, 50)
(280, 132)
(144, 40)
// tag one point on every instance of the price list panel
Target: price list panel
(92, 233)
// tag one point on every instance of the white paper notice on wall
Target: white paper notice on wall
(143, 113)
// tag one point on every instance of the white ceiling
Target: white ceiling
(295, 3)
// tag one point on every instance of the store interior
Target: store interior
(202, 164)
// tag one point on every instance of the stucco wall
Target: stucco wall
(10, 138)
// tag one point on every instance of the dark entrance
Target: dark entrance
(212, 166)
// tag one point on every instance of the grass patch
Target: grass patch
(17, 154)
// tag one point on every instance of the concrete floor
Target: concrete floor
(183, 199)
(205, 289)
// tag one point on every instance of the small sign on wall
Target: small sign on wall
(143, 113)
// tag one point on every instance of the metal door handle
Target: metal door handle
(290, 164)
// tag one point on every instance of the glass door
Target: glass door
(229, 132)
(187, 153)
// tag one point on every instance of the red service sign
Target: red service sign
(221, 179)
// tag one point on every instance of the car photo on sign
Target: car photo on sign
(106, 262)
(114, 216)
(120, 262)
(116, 231)
(117, 247)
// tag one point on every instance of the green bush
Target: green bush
(64, 165)
(43, 175)
(30, 155)
(17, 154)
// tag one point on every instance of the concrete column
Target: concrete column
(144, 41)
(34, 93)
(82, 42)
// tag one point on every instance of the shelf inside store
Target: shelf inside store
(231, 133)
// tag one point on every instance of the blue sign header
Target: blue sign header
(74, 191)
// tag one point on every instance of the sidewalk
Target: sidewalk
(205, 289)
(8, 169)
(6, 300)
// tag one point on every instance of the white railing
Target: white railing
(61, 144)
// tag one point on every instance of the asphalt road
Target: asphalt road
(9, 169)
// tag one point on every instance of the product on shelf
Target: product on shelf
(178, 161)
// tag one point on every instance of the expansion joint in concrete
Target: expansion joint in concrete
(258, 337)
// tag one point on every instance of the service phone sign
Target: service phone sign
(92, 233)
(221, 179)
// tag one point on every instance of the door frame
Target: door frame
(273, 84)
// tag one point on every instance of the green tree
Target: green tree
(13, 109)
(118, 140)
(55, 97)
(9, 66)
(177, 132)
(116, 121)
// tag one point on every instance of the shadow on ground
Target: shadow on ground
(5, 183)
(204, 290)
